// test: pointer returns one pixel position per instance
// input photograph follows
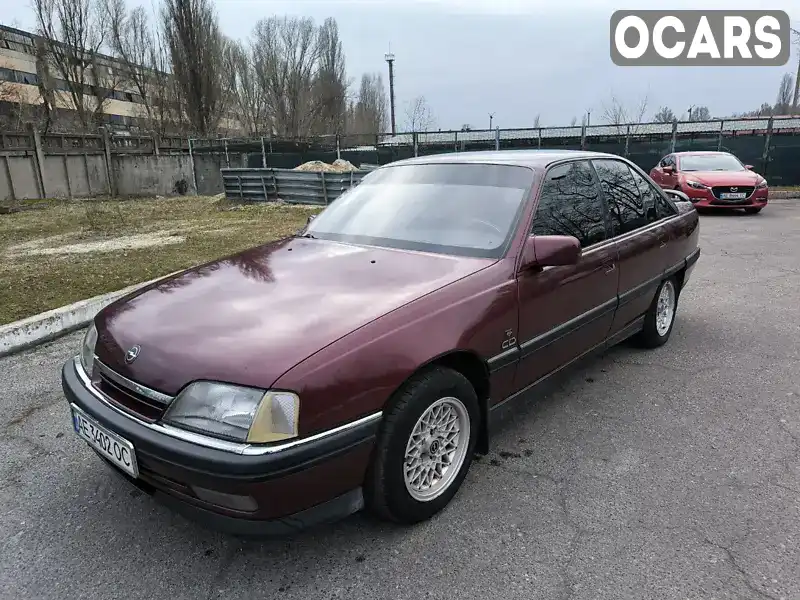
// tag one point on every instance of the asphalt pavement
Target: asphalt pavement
(672, 473)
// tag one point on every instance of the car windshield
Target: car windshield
(462, 209)
(710, 162)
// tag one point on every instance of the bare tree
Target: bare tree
(242, 85)
(330, 84)
(368, 113)
(73, 34)
(618, 114)
(536, 122)
(664, 115)
(196, 48)
(796, 98)
(573, 122)
(419, 116)
(699, 113)
(783, 103)
(285, 52)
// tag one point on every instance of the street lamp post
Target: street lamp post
(390, 59)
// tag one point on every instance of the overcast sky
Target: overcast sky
(513, 58)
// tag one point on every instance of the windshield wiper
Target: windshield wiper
(308, 236)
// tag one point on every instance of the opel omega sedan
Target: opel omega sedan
(364, 361)
(713, 180)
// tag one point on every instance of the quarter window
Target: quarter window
(570, 204)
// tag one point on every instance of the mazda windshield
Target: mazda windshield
(463, 209)
(710, 162)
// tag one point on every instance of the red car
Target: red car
(365, 360)
(713, 180)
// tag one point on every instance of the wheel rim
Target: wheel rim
(436, 449)
(665, 310)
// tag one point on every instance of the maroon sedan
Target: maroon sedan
(713, 180)
(365, 360)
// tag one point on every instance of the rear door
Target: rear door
(566, 311)
(640, 235)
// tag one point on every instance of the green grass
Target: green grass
(32, 283)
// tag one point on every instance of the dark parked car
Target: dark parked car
(713, 180)
(365, 360)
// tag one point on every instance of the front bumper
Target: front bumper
(706, 199)
(310, 483)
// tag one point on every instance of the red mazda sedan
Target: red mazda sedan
(712, 180)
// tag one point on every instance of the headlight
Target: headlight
(696, 185)
(87, 349)
(236, 413)
(761, 184)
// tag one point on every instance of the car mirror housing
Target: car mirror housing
(677, 195)
(749, 167)
(550, 251)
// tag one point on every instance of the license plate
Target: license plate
(733, 196)
(116, 449)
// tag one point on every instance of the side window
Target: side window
(625, 204)
(664, 162)
(570, 204)
(649, 197)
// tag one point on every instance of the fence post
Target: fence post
(194, 171)
(539, 135)
(110, 179)
(627, 141)
(455, 141)
(674, 135)
(10, 182)
(497, 139)
(263, 155)
(415, 138)
(156, 144)
(227, 160)
(583, 136)
(338, 148)
(767, 140)
(39, 159)
(324, 187)
(719, 139)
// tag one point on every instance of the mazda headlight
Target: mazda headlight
(761, 184)
(87, 349)
(696, 185)
(236, 413)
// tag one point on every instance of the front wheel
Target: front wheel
(425, 447)
(660, 317)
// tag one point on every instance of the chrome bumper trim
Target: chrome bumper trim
(210, 442)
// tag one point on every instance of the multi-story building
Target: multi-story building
(26, 75)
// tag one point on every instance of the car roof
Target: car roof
(691, 152)
(521, 158)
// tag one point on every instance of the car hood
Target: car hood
(712, 178)
(249, 318)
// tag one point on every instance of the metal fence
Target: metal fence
(284, 185)
(771, 144)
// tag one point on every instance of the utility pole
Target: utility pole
(588, 118)
(390, 59)
(491, 117)
(691, 108)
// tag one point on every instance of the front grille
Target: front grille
(114, 388)
(727, 189)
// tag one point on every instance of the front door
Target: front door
(566, 311)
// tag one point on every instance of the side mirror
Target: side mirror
(749, 167)
(677, 195)
(550, 251)
(668, 169)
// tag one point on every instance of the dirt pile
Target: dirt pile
(338, 166)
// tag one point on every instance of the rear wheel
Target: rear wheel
(425, 447)
(660, 317)
(752, 211)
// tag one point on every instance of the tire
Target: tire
(752, 211)
(656, 331)
(388, 492)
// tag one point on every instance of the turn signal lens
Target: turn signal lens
(276, 418)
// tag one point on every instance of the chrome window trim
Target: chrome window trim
(132, 385)
(629, 234)
(243, 449)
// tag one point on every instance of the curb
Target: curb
(783, 195)
(47, 326)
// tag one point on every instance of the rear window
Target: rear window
(462, 209)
